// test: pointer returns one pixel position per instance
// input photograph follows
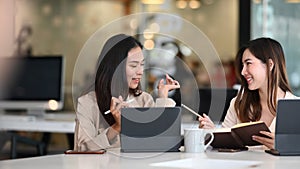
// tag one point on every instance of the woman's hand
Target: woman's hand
(205, 122)
(163, 89)
(267, 141)
(115, 106)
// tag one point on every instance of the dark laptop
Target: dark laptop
(287, 132)
(155, 129)
(215, 102)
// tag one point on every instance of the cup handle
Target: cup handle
(210, 141)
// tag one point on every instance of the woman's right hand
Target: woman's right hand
(205, 122)
(115, 109)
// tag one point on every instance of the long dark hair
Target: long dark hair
(111, 73)
(247, 104)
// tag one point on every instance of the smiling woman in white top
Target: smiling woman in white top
(117, 81)
(261, 70)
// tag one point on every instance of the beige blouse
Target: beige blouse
(91, 127)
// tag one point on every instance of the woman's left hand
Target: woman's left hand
(163, 89)
(267, 141)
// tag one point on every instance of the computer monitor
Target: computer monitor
(215, 102)
(32, 83)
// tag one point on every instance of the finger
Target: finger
(121, 98)
(205, 116)
(118, 107)
(113, 99)
(113, 102)
(200, 118)
(160, 84)
(267, 142)
(208, 125)
(176, 83)
(211, 125)
(169, 79)
(171, 87)
(116, 100)
(201, 124)
(263, 140)
(269, 134)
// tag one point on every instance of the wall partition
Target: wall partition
(280, 19)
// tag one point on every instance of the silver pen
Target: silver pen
(192, 111)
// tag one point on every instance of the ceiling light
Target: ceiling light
(194, 4)
(181, 4)
(152, 2)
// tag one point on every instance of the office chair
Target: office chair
(15, 138)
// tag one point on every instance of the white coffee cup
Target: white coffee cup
(194, 140)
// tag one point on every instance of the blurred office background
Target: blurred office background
(62, 27)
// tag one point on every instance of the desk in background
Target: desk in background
(53, 122)
(59, 122)
(113, 159)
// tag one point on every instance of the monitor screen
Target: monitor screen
(31, 83)
(215, 102)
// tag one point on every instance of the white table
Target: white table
(113, 159)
